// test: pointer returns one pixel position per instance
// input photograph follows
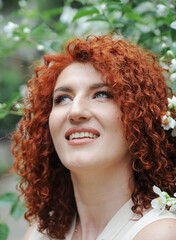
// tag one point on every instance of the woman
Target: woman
(91, 146)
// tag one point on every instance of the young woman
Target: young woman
(90, 146)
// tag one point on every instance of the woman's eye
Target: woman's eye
(61, 99)
(103, 94)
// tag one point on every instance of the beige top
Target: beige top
(122, 225)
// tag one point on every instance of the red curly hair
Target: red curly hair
(137, 82)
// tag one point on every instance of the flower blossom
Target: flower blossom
(171, 102)
(16, 38)
(26, 30)
(170, 53)
(172, 66)
(163, 200)
(173, 133)
(40, 47)
(144, 7)
(9, 28)
(161, 10)
(173, 77)
(168, 122)
(22, 3)
(67, 14)
(160, 202)
(163, 65)
(23, 89)
(101, 7)
(173, 25)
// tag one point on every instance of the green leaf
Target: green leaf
(4, 231)
(15, 97)
(3, 113)
(172, 85)
(134, 16)
(17, 210)
(114, 6)
(121, 20)
(85, 13)
(52, 12)
(98, 18)
(8, 199)
(110, 3)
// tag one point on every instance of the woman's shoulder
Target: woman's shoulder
(156, 225)
(161, 229)
(33, 234)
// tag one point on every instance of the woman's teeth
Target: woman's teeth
(82, 135)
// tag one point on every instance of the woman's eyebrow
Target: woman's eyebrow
(63, 89)
(98, 85)
(68, 89)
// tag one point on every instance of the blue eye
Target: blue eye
(62, 98)
(103, 94)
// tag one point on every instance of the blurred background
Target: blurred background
(29, 29)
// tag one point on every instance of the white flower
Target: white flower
(22, 3)
(68, 14)
(172, 208)
(23, 89)
(26, 30)
(173, 25)
(173, 134)
(164, 65)
(144, 7)
(163, 200)
(157, 32)
(9, 28)
(170, 53)
(172, 66)
(145, 28)
(171, 102)
(161, 10)
(101, 7)
(173, 77)
(163, 45)
(17, 106)
(40, 47)
(160, 202)
(171, 201)
(16, 39)
(168, 122)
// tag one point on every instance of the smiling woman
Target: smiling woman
(84, 111)
(91, 146)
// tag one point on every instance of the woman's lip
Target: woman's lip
(80, 141)
(81, 129)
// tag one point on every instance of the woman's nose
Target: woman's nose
(79, 111)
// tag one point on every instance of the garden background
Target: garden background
(29, 29)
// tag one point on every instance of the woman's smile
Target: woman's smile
(85, 121)
(81, 135)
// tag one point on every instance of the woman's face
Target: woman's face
(85, 121)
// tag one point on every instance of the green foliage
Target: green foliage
(34, 28)
(16, 208)
(38, 28)
(4, 231)
(16, 211)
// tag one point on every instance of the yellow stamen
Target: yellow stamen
(159, 201)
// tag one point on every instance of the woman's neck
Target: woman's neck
(99, 195)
